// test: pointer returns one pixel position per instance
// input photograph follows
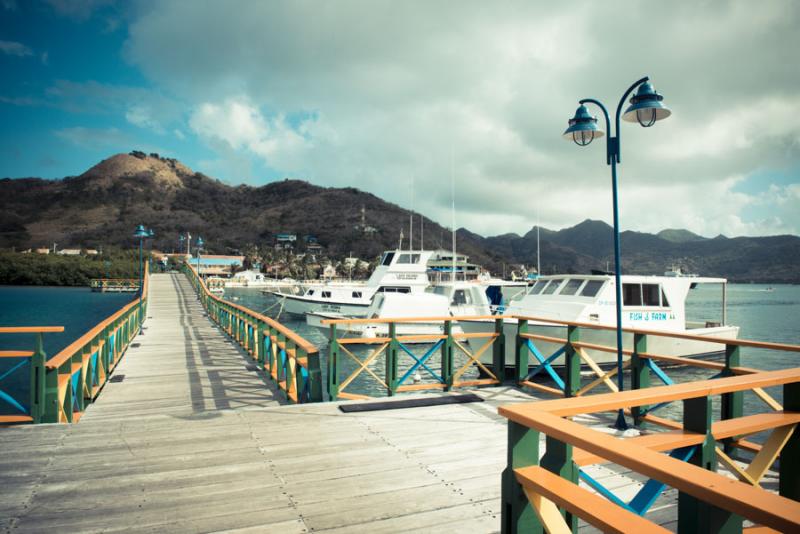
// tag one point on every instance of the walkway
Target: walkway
(192, 441)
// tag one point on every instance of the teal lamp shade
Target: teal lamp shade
(141, 232)
(151, 233)
(646, 107)
(582, 128)
(199, 242)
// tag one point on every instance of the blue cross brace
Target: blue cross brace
(421, 362)
(545, 364)
(647, 495)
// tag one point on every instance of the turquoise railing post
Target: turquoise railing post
(37, 380)
(789, 483)
(50, 414)
(499, 351)
(290, 372)
(695, 515)
(282, 356)
(640, 374)
(333, 364)
(732, 405)
(260, 348)
(77, 358)
(517, 514)
(558, 459)
(446, 352)
(572, 363)
(391, 360)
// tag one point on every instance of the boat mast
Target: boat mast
(453, 210)
(411, 219)
(538, 259)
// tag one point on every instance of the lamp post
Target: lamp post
(199, 247)
(646, 108)
(142, 234)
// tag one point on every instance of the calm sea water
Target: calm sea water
(765, 313)
(77, 309)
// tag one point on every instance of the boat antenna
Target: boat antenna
(421, 231)
(411, 218)
(453, 199)
(538, 259)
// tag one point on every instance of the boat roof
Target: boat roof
(636, 278)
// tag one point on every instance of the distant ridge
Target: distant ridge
(104, 204)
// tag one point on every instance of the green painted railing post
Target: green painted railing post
(572, 363)
(732, 405)
(446, 352)
(789, 483)
(499, 351)
(558, 459)
(333, 364)
(50, 414)
(517, 514)
(282, 358)
(391, 361)
(260, 345)
(77, 358)
(314, 377)
(640, 374)
(694, 515)
(521, 362)
(37, 380)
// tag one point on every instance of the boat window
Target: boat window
(461, 297)
(387, 258)
(552, 286)
(408, 258)
(664, 301)
(632, 294)
(438, 290)
(310, 292)
(650, 294)
(571, 287)
(391, 289)
(537, 287)
(326, 294)
(356, 294)
(592, 288)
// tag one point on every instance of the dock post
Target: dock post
(517, 514)
(558, 459)
(37, 380)
(499, 351)
(333, 364)
(572, 363)
(695, 515)
(260, 352)
(314, 377)
(732, 405)
(391, 361)
(640, 374)
(447, 355)
(789, 484)
(522, 350)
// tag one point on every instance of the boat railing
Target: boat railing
(288, 359)
(542, 491)
(114, 284)
(62, 386)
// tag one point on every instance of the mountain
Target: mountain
(103, 206)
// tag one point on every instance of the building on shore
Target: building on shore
(217, 265)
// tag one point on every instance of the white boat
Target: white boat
(399, 271)
(460, 299)
(649, 302)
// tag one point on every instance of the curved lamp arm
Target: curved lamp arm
(609, 138)
(619, 109)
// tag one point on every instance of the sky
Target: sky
(423, 103)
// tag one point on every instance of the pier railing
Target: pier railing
(114, 285)
(289, 360)
(62, 386)
(542, 492)
(406, 369)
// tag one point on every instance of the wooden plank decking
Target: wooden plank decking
(191, 441)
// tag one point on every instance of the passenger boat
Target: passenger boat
(649, 302)
(459, 299)
(399, 271)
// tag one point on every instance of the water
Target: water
(77, 309)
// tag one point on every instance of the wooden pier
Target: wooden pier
(188, 436)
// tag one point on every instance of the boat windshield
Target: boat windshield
(571, 287)
(552, 286)
(592, 288)
(387, 258)
(537, 287)
(438, 290)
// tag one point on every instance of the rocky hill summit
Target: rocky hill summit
(164, 172)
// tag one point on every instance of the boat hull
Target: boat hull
(298, 305)
(659, 345)
(374, 330)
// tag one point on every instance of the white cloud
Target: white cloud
(142, 116)
(92, 138)
(179, 134)
(13, 48)
(79, 10)
(385, 91)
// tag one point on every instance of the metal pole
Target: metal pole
(141, 285)
(620, 424)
